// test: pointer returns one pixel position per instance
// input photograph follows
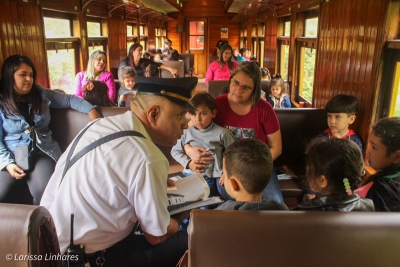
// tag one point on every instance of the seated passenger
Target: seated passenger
(383, 154)
(127, 82)
(147, 55)
(334, 170)
(265, 74)
(25, 117)
(96, 93)
(222, 68)
(205, 133)
(242, 53)
(219, 44)
(342, 111)
(172, 55)
(134, 60)
(96, 70)
(157, 57)
(278, 97)
(152, 71)
(247, 167)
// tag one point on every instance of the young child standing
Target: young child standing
(278, 97)
(127, 82)
(383, 155)
(334, 170)
(247, 167)
(342, 111)
(204, 133)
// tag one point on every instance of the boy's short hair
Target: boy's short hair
(342, 104)
(336, 159)
(126, 72)
(388, 130)
(203, 99)
(250, 161)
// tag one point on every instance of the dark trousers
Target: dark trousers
(37, 179)
(134, 250)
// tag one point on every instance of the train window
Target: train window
(395, 105)
(131, 38)
(93, 29)
(196, 35)
(306, 52)
(283, 46)
(62, 50)
(286, 28)
(160, 37)
(243, 37)
(143, 36)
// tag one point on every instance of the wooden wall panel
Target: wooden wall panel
(116, 43)
(270, 44)
(21, 32)
(350, 45)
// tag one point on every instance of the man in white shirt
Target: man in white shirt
(124, 181)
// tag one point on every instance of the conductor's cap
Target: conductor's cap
(177, 90)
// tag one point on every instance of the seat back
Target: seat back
(214, 87)
(28, 230)
(188, 60)
(174, 64)
(213, 58)
(293, 238)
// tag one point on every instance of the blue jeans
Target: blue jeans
(271, 191)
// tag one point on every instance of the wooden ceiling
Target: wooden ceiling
(166, 10)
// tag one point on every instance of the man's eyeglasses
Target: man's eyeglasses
(237, 84)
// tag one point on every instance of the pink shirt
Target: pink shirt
(258, 123)
(214, 71)
(106, 77)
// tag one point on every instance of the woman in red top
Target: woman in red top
(248, 116)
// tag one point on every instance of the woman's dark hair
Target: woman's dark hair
(221, 62)
(253, 71)
(146, 55)
(221, 43)
(9, 97)
(129, 57)
(173, 55)
(98, 95)
(336, 159)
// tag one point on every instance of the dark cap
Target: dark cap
(168, 41)
(177, 90)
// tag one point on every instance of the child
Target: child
(383, 155)
(247, 167)
(96, 93)
(278, 97)
(341, 111)
(334, 169)
(265, 74)
(127, 82)
(204, 133)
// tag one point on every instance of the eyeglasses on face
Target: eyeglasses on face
(243, 87)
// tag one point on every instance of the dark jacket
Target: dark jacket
(342, 202)
(385, 191)
(269, 204)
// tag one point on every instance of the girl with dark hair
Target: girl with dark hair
(247, 116)
(24, 119)
(96, 70)
(334, 170)
(134, 59)
(96, 93)
(222, 68)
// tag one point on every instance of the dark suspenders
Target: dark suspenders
(69, 162)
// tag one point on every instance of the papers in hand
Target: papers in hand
(189, 193)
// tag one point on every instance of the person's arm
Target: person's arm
(109, 80)
(274, 141)
(288, 104)
(78, 83)
(60, 100)
(199, 156)
(170, 69)
(209, 74)
(178, 153)
(172, 229)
